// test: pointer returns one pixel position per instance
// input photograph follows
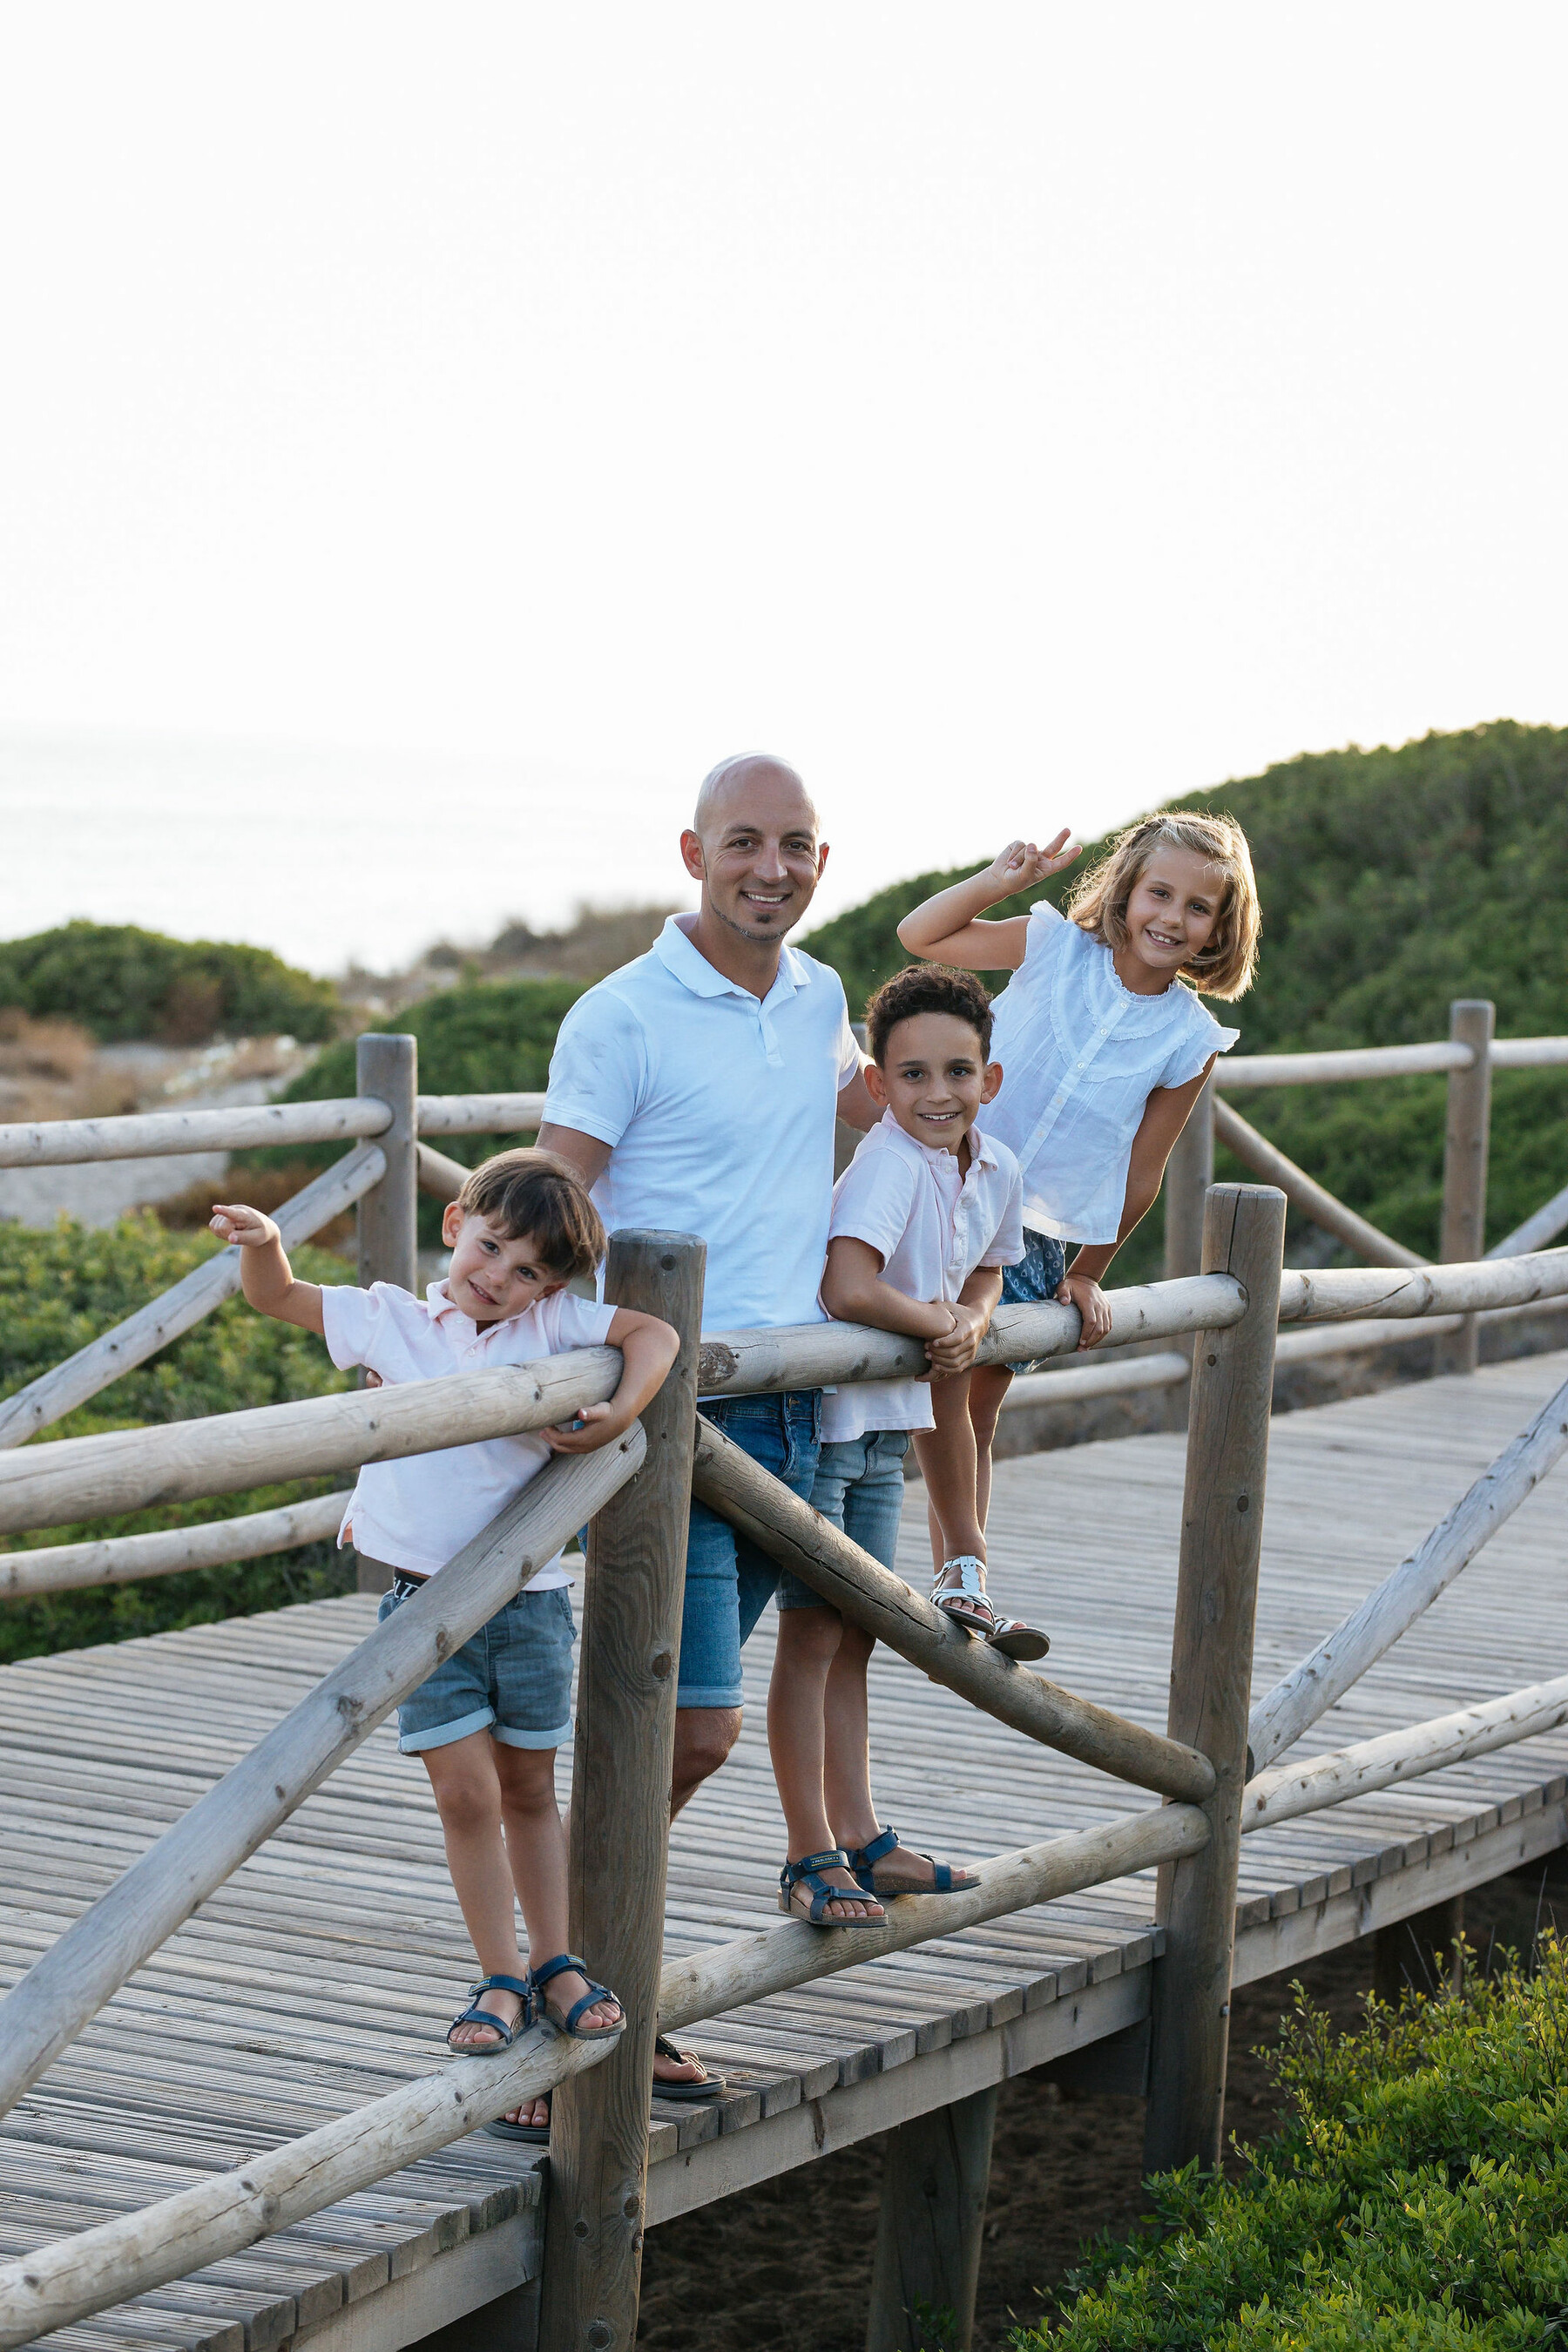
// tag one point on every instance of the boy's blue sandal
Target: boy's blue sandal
(944, 1880)
(474, 2015)
(562, 1965)
(807, 1873)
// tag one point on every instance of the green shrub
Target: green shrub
(62, 1288)
(122, 982)
(486, 1038)
(1416, 2195)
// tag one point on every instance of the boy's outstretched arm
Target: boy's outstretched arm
(648, 1348)
(264, 1275)
(947, 929)
(853, 1291)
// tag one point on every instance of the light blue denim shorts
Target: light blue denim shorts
(860, 1485)
(513, 1678)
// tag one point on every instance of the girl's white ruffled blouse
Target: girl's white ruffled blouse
(1081, 1056)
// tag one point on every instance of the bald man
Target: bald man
(696, 1089)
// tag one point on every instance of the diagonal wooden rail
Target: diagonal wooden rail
(66, 1385)
(1304, 1193)
(872, 1597)
(1341, 1657)
(216, 2217)
(45, 2012)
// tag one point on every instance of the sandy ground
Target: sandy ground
(789, 2265)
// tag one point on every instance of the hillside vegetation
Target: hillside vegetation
(1391, 882)
(120, 982)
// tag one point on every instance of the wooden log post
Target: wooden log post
(935, 2175)
(388, 1068)
(1210, 1676)
(620, 1824)
(1189, 1172)
(1464, 1142)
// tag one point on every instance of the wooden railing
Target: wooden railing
(1217, 1768)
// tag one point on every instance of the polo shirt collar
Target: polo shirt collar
(981, 1152)
(445, 1310)
(675, 950)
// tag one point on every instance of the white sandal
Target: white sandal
(968, 1603)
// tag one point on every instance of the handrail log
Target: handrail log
(1342, 1658)
(1529, 1053)
(218, 2217)
(215, 1543)
(817, 1355)
(313, 1437)
(1290, 1790)
(1304, 1193)
(479, 1114)
(66, 1385)
(160, 1134)
(872, 1597)
(1337, 1293)
(1234, 1070)
(70, 1984)
(442, 1178)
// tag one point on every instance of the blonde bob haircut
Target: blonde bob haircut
(1227, 965)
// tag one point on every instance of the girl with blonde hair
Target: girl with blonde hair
(1104, 1049)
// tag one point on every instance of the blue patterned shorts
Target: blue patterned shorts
(1036, 1278)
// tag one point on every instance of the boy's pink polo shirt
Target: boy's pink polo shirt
(417, 1512)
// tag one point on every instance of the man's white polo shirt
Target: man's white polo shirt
(931, 1225)
(719, 1109)
(418, 1513)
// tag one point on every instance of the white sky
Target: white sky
(429, 438)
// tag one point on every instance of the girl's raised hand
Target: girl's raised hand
(246, 1228)
(1022, 863)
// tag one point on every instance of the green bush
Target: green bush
(1416, 2196)
(486, 1038)
(122, 982)
(62, 1288)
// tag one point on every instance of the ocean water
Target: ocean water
(329, 856)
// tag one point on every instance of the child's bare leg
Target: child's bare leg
(468, 1799)
(988, 1385)
(536, 1849)
(948, 1464)
(809, 1641)
(846, 1763)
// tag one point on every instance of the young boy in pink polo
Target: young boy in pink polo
(924, 1219)
(487, 1722)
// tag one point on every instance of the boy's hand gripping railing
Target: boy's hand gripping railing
(71, 1983)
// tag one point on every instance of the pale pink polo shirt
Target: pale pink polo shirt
(419, 1512)
(932, 1228)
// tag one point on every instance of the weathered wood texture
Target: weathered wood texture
(130, 1469)
(49, 2009)
(1233, 1071)
(1211, 1675)
(935, 2174)
(1118, 1376)
(162, 1134)
(620, 1821)
(66, 1385)
(1290, 1790)
(437, 1174)
(323, 1973)
(479, 1113)
(1337, 1292)
(871, 1596)
(1263, 1159)
(387, 1069)
(122, 1559)
(1341, 1657)
(1466, 1141)
(1189, 1172)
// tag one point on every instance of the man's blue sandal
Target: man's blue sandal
(807, 1873)
(474, 2015)
(562, 1965)
(945, 1880)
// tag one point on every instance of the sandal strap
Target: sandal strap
(508, 2034)
(863, 1857)
(594, 1992)
(520, 1985)
(558, 1966)
(971, 1575)
(810, 1863)
(663, 2047)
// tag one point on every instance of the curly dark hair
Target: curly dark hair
(926, 988)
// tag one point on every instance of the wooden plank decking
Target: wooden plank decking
(324, 1973)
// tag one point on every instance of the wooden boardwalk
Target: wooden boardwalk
(325, 1970)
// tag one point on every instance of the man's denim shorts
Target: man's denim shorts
(513, 1678)
(729, 1581)
(1037, 1278)
(860, 1487)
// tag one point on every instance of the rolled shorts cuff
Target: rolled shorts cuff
(507, 1737)
(715, 1695)
(442, 1735)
